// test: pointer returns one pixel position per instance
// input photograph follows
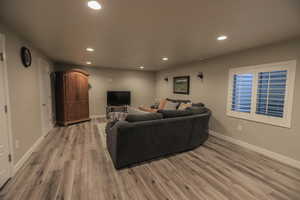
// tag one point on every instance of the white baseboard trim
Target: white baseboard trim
(281, 158)
(26, 156)
(97, 116)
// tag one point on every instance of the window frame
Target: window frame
(285, 121)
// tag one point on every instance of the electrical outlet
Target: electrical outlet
(239, 127)
(17, 144)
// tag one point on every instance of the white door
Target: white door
(46, 97)
(4, 139)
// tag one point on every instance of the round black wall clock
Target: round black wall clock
(26, 56)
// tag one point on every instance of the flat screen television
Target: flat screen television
(118, 98)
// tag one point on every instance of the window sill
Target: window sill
(282, 122)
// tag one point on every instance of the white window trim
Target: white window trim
(290, 66)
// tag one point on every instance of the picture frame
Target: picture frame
(181, 85)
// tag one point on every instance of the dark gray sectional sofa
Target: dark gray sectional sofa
(145, 137)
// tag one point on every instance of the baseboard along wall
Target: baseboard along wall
(276, 156)
(26, 156)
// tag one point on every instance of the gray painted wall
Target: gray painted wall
(213, 92)
(140, 83)
(24, 94)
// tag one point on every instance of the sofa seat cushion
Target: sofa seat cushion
(175, 113)
(143, 117)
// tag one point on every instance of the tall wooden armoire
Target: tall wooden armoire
(72, 96)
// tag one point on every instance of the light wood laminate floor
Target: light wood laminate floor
(72, 163)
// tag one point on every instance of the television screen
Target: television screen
(118, 98)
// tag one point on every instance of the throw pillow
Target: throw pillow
(156, 104)
(170, 105)
(179, 101)
(162, 104)
(184, 106)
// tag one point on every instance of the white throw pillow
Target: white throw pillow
(170, 106)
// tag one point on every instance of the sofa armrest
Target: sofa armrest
(112, 139)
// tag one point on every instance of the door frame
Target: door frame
(7, 101)
(41, 88)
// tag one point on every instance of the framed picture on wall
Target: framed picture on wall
(181, 85)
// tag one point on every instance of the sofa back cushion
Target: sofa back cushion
(174, 113)
(143, 117)
(196, 110)
(179, 101)
(198, 104)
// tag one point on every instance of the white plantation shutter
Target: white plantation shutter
(262, 93)
(271, 93)
(242, 92)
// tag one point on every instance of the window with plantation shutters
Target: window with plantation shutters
(262, 93)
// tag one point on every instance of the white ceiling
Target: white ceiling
(130, 33)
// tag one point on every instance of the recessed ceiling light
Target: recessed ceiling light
(90, 49)
(222, 37)
(88, 62)
(165, 58)
(94, 5)
(142, 67)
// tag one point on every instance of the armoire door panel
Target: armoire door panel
(71, 87)
(83, 87)
(84, 113)
(72, 114)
